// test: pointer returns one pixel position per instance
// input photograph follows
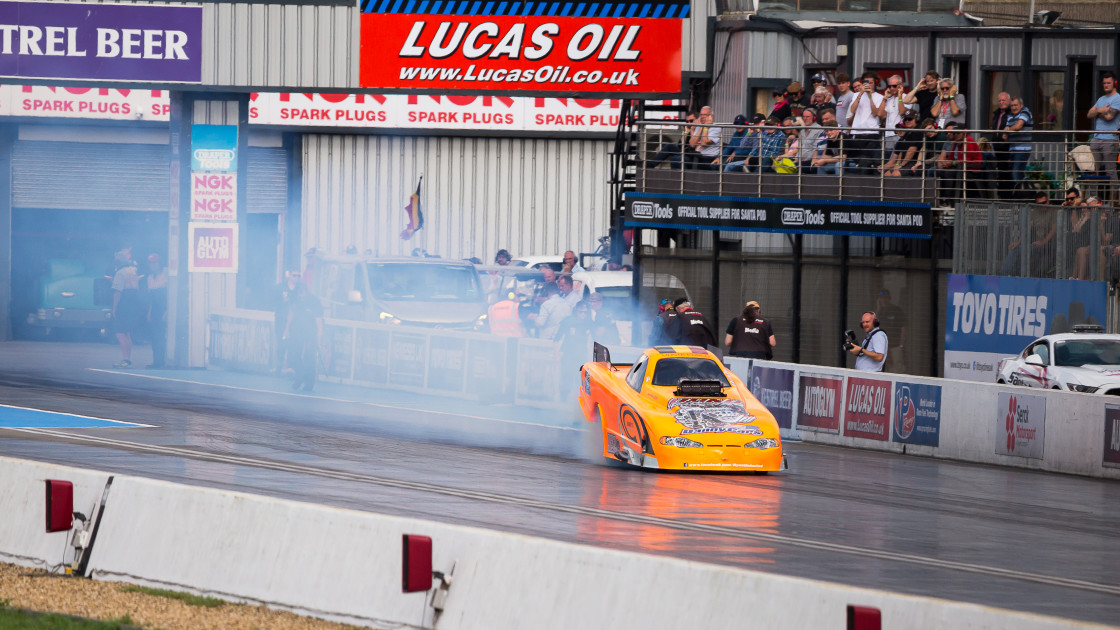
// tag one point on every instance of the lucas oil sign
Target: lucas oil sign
(602, 47)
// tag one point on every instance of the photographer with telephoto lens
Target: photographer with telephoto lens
(872, 353)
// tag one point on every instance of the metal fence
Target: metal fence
(935, 168)
(1038, 241)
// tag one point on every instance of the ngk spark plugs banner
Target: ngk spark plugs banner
(214, 173)
(819, 398)
(867, 414)
(602, 47)
(115, 42)
(989, 318)
(464, 113)
(792, 216)
(1021, 425)
(309, 109)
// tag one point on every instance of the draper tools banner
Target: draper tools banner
(587, 47)
(795, 216)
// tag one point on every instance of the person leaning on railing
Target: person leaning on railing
(1042, 229)
(1019, 127)
(670, 149)
(960, 158)
(829, 157)
(904, 159)
(735, 156)
(1105, 115)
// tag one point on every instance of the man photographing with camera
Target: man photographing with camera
(872, 353)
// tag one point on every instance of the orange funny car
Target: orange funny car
(678, 407)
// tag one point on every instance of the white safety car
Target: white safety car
(1086, 360)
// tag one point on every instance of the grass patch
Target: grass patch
(12, 619)
(186, 598)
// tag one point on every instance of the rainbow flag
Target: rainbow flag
(414, 214)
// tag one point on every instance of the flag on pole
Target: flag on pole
(413, 213)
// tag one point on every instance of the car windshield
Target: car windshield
(423, 282)
(1078, 352)
(670, 371)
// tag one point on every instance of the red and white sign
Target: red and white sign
(1021, 425)
(819, 406)
(213, 247)
(213, 196)
(520, 53)
(462, 113)
(75, 102)
(867, 412)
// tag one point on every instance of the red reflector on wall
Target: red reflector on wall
(416, 566)
(60, 505)
(863, 618)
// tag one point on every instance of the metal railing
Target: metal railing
(997, 168)
(1038, 241)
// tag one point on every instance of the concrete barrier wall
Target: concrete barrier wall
(345, 565)
(1071, 436)
(1071, 433)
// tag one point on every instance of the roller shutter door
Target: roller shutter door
(110, 176)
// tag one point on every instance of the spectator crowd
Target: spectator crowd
(874, 126)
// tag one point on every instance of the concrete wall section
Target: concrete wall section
(23, 537)
(345, 565)
(975, 422)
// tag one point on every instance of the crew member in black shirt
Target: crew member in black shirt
(749, 335)
(691, 328)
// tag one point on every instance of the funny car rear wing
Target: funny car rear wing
(600, 354)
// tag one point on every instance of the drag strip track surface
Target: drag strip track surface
(1008, 538)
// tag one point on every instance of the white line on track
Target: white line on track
(337, 400)
(777, 539)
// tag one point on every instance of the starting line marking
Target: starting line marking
(12, 417)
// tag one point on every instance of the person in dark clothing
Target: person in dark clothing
(284, 296)
(659, 336)
(691, 328)
(303, 332)
(749, 335)
(155, 284)
(574, 337)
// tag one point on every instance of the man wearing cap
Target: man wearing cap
(659, 336)
(736, 138)
(818, 81)
(735, 155)
(749, 335)
(906, 149)
(691, 328)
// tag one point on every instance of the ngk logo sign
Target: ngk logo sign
(536, 53)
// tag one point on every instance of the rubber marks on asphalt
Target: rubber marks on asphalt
(22, 417)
